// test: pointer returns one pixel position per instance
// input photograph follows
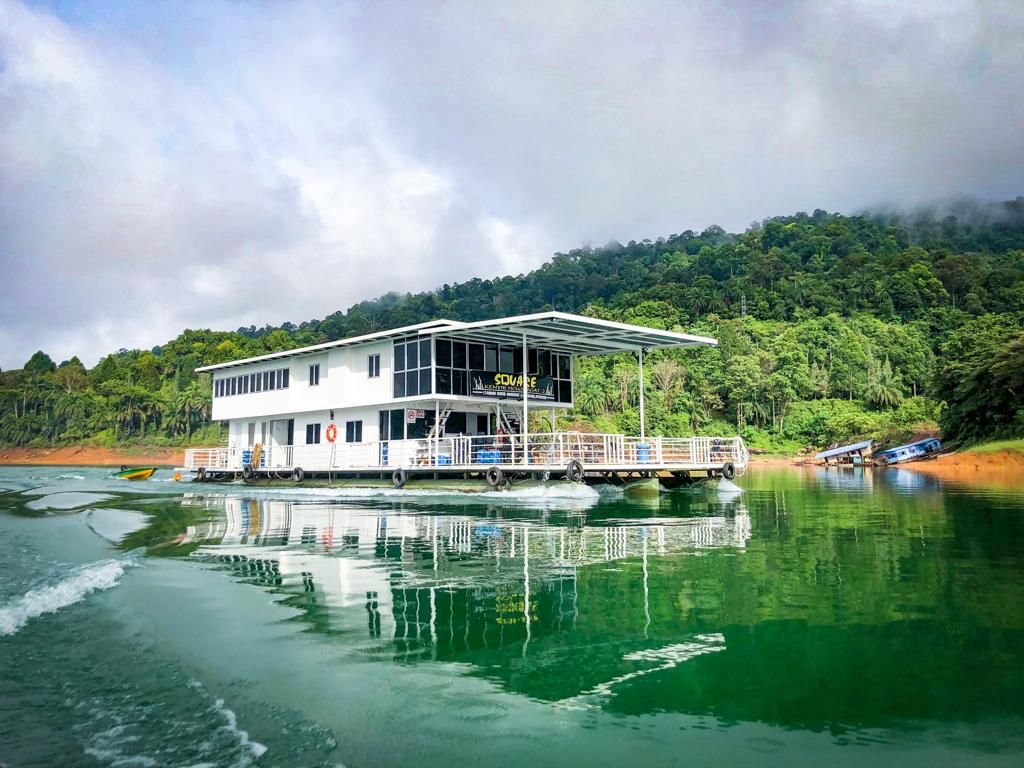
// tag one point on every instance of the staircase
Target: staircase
(437, 428)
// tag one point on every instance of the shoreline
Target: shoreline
(93, 456)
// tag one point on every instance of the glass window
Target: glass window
(563, 367)
(458, 354)
(399, 385)
(543, 362)
(397, 423)
(491, 357)
(412, 383)
(373, 366)
(399, 357)
(444, 380)
(353, 431)
(459, 379)
(314, 375)
(234, 385)
(284, 378)
(564, 391)
(505, 360)
(444, 353)
(476, 357)
(425, 388)
(424, 352)
(412, 358)
(245, 385)
(272, 375)
(266, 379)
(517, 360)
(312, 434)
(533, 362)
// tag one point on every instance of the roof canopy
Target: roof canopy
(844, 449)
(572, 334)
(557, 331)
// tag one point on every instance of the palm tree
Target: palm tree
(883, 387)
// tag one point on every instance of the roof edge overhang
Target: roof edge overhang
(559, 331)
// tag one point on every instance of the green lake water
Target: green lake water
(815, 618)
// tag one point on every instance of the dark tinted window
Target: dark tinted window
(476, 356)
(444, 353)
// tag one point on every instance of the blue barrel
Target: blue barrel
(643, 453)
(443, 459)
(246, 458)
(384, 453)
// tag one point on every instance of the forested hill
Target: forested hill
(831, 327)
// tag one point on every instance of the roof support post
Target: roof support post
(525, 428)
(643, 426)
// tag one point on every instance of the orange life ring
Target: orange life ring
(332, 433)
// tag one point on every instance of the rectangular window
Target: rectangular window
(314, 375)
(399, 385)
(245, 385)
(312, 434)
(459, 379)
(412, 357)
(476, 357)
(412, 383)
(373, 366)
(234, 385)
(353, 431)
(506, 360)
(258, 387)
(444, 353)
(412, 368)
(266, 380)
(444, 380)
(424, 353)
(458, 355)
(399, 357)
(272, 378)
(284, 378)
(491, 357)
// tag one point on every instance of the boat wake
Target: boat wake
(82, 581)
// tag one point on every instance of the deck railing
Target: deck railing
(477, 451)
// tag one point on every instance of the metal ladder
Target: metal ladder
(440, 419)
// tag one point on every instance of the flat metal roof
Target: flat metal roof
(573, 334)
(557, 331)
(852, 448)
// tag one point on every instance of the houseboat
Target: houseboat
(920, 449)
(854, 454)
(445, 400)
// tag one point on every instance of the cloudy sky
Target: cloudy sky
(218, 164)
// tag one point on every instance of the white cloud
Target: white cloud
(231, 164)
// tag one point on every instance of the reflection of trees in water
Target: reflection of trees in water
(827, 609)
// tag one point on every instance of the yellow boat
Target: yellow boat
(135, 473)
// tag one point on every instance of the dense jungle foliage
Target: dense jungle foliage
(831, 327)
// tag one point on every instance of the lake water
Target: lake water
(816, 618)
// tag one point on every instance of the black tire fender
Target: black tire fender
(728, 470)
(201, 474)
(494, 476)
(574, 471)
(247, 472)
(399, 478)
(298, 474)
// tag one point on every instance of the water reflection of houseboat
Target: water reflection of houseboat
(486, 580)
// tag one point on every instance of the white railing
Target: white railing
(542, 450)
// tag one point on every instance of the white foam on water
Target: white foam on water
(728, 488)
(81, 582)
(71, 477)
(545, 492)
(254, 747)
